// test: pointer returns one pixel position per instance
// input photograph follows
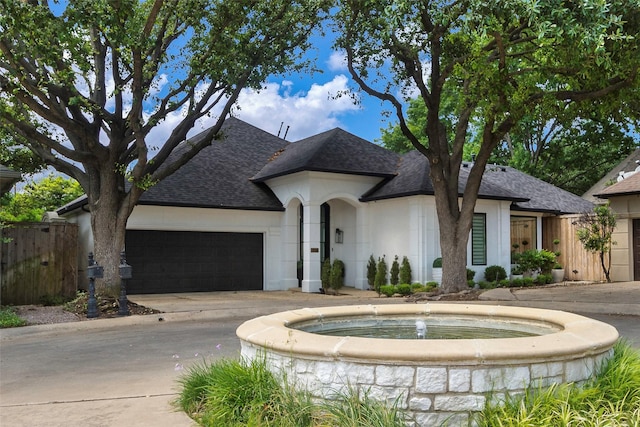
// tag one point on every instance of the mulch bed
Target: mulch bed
(107, 307)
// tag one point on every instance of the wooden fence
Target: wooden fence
(577, 262)
(38, 260)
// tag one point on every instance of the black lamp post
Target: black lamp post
(94, 271)
(125, 273)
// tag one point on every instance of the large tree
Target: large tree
(501, 59)
(83, 84)
(571, 149)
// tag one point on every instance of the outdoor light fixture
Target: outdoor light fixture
(339, 235)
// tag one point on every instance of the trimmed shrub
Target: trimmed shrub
(471, 283)
(337, 275)
(417, 287)
(517, 283)
(528, 281)
(381, 274)
(325, 274)
(470, 274)
(429, 286)
(394, 273)
(371, 272)
(437, 263)
(404, 289)
(494, 273)
(387, 290)
(486, 285)
(405, 271)
(505, 283)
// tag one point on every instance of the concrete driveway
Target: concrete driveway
(124, 371)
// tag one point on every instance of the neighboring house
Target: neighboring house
(625, 167)
(624, 200)
(251, 207)
(8, 179)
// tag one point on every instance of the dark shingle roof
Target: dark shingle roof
(335, 151)
(628, 164)
(625, 187)
(218, 176)
(499, 183)
(542, 196)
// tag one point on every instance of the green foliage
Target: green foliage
(381, 274)
(387, 290)
(612, 398)
(516, 283)
(504, 283)
(325, 274)
(337, 275)
(235, 393)
(483, 284)
(39, 197)
(9, 318)
(437, 263)
(543, 279)
(358, 409)
(470, 274)
(394, 273)
(495, 273)
(371, 272)
(417, 287)
(534, 260)
(405, 271)
(527, 281)
(403, 289)
(595, 232)
(431, 286)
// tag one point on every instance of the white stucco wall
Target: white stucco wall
(626, 208)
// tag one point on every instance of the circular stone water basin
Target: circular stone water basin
(433, 380)
(426, 327)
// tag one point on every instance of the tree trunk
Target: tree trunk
(108, 222)
(454, 236)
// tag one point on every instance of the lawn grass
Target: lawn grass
(235, 393)
(9, 318)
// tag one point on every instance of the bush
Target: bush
(517, 283)
(417, 287)
(543, 279)
(405, 271)
(371, 272)
(404, 289)
(429, 286)
(471, 283)
(486, 285)
(9, 318)
(494, 273)
(437, 263)
(325, 274)
(470, 274)
(528, 281)
(381, 274)
(394, 273)
(505, 283)
(337, 275)
(387, 290)
(534, 260)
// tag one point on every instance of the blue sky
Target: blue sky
(306, 103)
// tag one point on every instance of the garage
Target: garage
(184, 261)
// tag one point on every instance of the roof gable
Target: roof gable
(334, 151)
(625, 187)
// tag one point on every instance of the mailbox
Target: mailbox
(125, 269)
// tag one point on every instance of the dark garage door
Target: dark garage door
(182, 261)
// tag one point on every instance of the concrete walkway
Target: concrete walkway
(120, 371)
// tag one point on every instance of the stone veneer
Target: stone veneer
(434, 381)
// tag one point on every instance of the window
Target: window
(479, 239)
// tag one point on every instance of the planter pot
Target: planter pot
(558, 275)
(437, 275)
(516, 276)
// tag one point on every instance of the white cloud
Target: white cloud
(305, 113)
(337, 61)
